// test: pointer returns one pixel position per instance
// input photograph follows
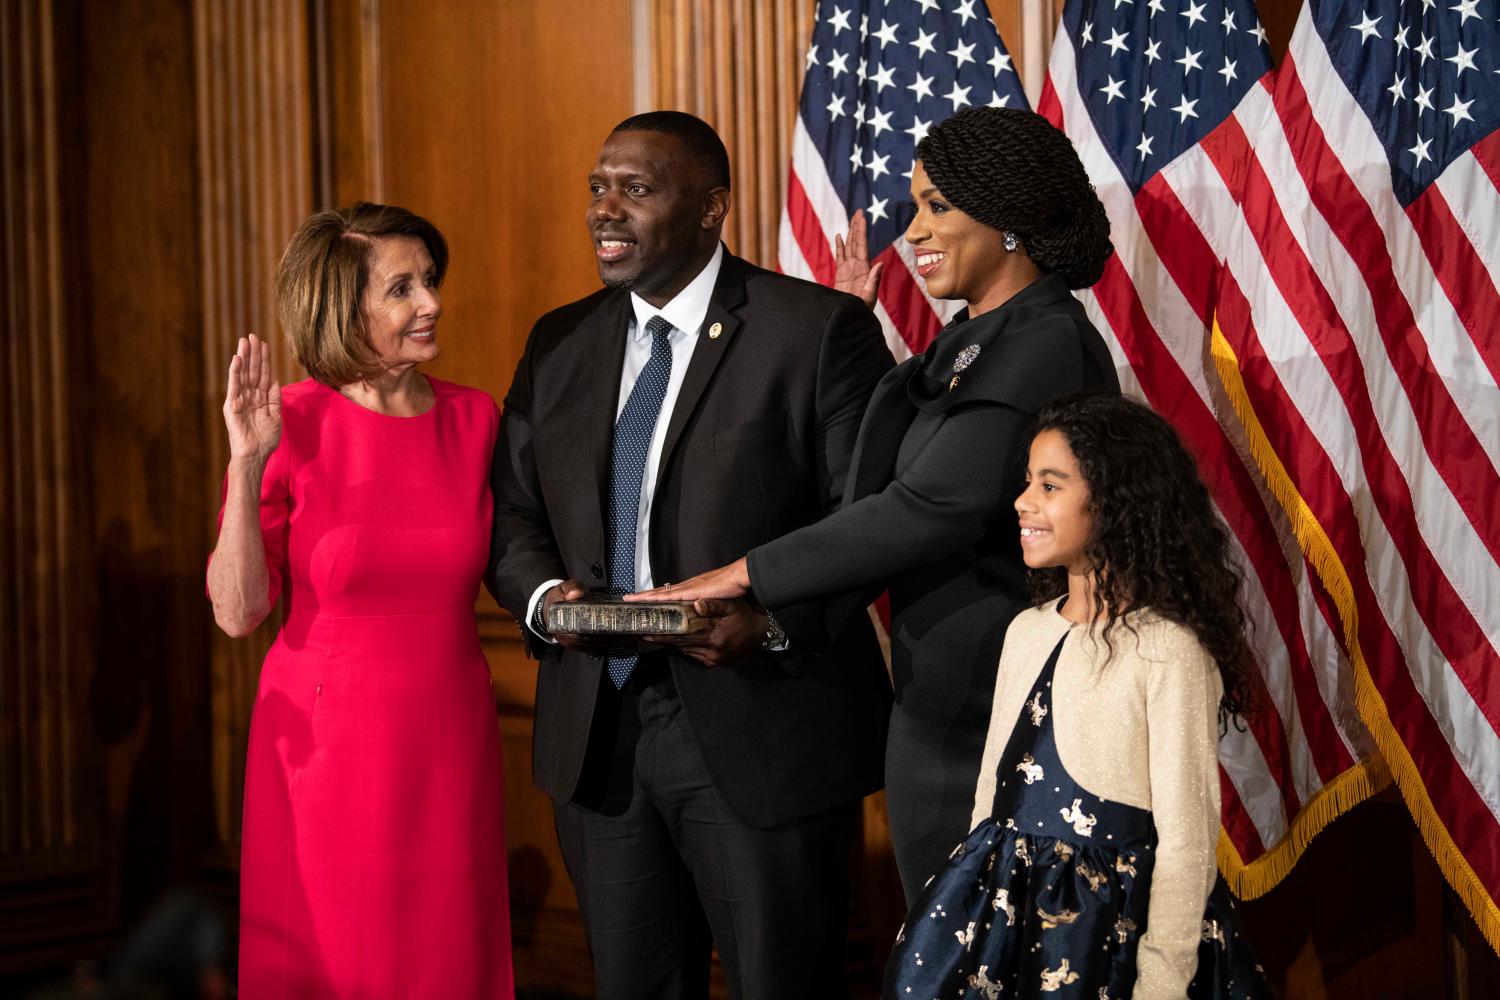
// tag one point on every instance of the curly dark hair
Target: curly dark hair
(1012, 170)
(1156, 540)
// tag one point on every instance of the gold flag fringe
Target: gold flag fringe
(1395, 760)
(1247, 881)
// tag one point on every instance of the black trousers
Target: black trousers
(663, 871)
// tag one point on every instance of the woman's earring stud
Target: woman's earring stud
(1011, 243)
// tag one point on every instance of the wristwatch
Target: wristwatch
(775, 634)
(539, 617)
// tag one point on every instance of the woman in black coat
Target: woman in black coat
(1006, 220)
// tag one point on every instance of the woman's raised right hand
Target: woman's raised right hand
(851, 259)
(252, 402)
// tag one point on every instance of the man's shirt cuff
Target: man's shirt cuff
(536, 595)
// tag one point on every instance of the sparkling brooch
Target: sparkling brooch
(963, 360)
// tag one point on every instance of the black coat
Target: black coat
(757, 444)
(929, 514)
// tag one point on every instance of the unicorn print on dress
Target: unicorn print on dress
(1052, 921)
(987, 987)
(1093, 878)
(1045, 903)
(1030, 769)
(966, 936)
(1036, 709)
(1083, 824)
(1055, 979)
(1002, 902)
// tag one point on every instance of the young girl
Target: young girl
(1090, 867)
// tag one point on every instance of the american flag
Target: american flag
(878, 75)
(1139, 88)
(1305, 261)
(1360, 308)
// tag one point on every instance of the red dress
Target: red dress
(373, 860)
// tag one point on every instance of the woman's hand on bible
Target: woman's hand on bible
(717, 584)
(852, 272)
(252, 402)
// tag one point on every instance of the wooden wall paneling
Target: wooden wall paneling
(254, 114)
(51, 863)
(717, 76)
(1029, 38)
(138, 342)
(492, 117)
(346, 71)
(37, 816)
(738, 66)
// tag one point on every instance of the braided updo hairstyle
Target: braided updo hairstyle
(1012, 170)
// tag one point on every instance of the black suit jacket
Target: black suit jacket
(929, 506)
(939, 461)
(929, 513)
(757, 444)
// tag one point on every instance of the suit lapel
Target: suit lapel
(604, 352)
(712, 346)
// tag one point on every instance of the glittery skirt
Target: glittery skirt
(1020, 915)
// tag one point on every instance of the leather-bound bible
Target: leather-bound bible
(601, 614)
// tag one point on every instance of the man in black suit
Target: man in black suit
(696, 407)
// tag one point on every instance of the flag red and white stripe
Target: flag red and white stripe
(1323, 350)
(1299, 761)
(1366, 347)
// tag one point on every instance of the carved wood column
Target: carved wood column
(50, 836)
(348, 94)
(255, 111)
(737, 64)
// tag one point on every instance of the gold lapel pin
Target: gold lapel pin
(715, 330)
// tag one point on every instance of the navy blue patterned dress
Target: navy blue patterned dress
(1050, 894)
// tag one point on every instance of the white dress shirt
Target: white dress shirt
(686, 313)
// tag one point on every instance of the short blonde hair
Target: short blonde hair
(320, 285)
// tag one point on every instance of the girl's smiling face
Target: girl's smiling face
(1054, 507)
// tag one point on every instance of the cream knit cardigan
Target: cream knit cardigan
(1140, 729)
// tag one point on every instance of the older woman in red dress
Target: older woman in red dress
(373, 860)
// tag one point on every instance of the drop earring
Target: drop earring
(1011, 243)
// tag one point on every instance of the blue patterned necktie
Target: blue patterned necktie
(632, 443)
